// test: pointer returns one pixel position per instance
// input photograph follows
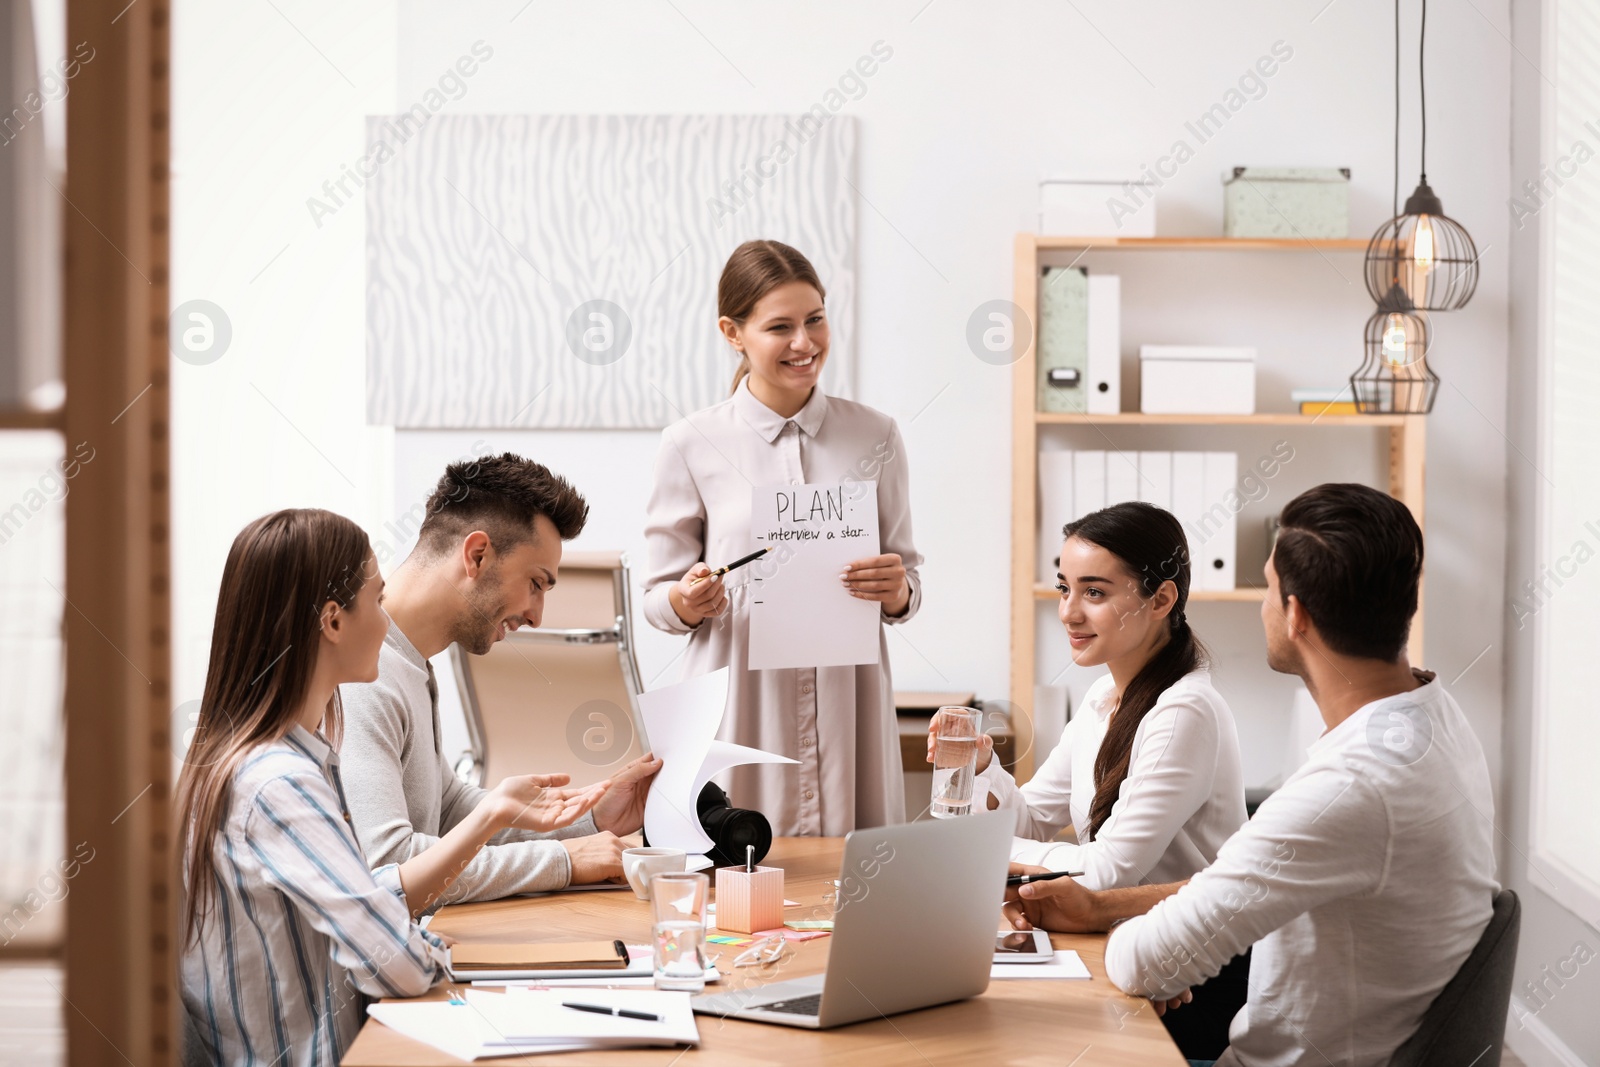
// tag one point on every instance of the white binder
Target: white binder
(1188, 504)
(1104, 395)
(1055, 508)
(1155, 479)
(1088, 483)
(1221, 518)
(1122, 477)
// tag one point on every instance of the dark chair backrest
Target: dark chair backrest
(1466, 1023)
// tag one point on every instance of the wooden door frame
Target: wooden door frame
(120, 969)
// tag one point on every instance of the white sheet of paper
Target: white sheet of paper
(459, 1031)
(681, 722)
(521, 1014)
(1067, 964)
(800, 613)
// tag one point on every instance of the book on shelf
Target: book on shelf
(1335, 400)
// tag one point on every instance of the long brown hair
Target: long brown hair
(1150, 543)
(754, 270)
(282, 570)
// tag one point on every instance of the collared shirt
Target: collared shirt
(298, 928)
(1363, 883)
(837, 722)
(407, 797)
(1183, 796)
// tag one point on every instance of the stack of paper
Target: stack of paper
(522, 1016)
(522, 1022)
(454, 1028)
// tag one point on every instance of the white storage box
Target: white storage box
(1197, 380)
(1070, 207)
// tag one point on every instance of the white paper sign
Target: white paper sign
(800, 613)
(681, 722)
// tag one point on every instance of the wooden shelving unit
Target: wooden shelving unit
(1244, 594)
(1406, 436)
(30, 420)
(1043, 243)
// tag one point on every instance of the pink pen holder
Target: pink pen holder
(748, 901)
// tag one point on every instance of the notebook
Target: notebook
(552, 956)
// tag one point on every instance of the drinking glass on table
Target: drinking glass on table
(678, 906)
(955, 760)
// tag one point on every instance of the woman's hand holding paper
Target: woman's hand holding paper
(880, 578)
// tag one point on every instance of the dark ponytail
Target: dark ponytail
(1151, 544)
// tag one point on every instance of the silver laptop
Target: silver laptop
(915, 925)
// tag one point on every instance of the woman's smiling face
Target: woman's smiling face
(786, 340)
(1101, 607)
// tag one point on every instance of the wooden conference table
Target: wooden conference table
(1045, 1022)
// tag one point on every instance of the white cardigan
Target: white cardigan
(1183, 796)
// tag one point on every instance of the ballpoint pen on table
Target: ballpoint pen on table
(620, 1013)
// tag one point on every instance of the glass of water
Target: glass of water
(678, 905)
(955, 760)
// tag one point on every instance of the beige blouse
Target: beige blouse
(838, 722)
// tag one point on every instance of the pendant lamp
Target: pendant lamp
(1422, 251)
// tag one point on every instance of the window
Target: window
(1562, 600)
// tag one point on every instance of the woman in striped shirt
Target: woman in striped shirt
(285, 927)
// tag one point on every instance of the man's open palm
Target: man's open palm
(535, 801)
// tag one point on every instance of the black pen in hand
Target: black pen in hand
(735, 565)
(621, 1013)
(1014, 880)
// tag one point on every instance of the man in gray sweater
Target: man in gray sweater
(486, 555)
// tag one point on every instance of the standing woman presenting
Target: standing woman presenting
(779, 428)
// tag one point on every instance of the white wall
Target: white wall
(977, 102)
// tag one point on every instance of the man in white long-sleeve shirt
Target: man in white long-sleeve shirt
(1366, 880)
(488, 550)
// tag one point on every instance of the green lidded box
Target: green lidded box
(1309, 202)
(1063, 339)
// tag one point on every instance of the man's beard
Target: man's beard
(1284, 660)
(476, 628)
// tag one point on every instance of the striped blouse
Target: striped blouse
(299, 929)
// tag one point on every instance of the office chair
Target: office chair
(1466, 1023)
(562, 697)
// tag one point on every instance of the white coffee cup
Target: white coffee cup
(638, 864)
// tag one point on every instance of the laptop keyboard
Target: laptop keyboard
(810, 1005)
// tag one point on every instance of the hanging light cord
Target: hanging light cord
(1394, 198)
(1422, 86)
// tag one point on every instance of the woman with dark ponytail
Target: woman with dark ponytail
(1147, 772)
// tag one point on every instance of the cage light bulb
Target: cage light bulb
(1394, 340)
(1422, 244)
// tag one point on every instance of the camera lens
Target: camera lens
(732, 829)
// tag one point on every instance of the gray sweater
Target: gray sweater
(403, 796)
